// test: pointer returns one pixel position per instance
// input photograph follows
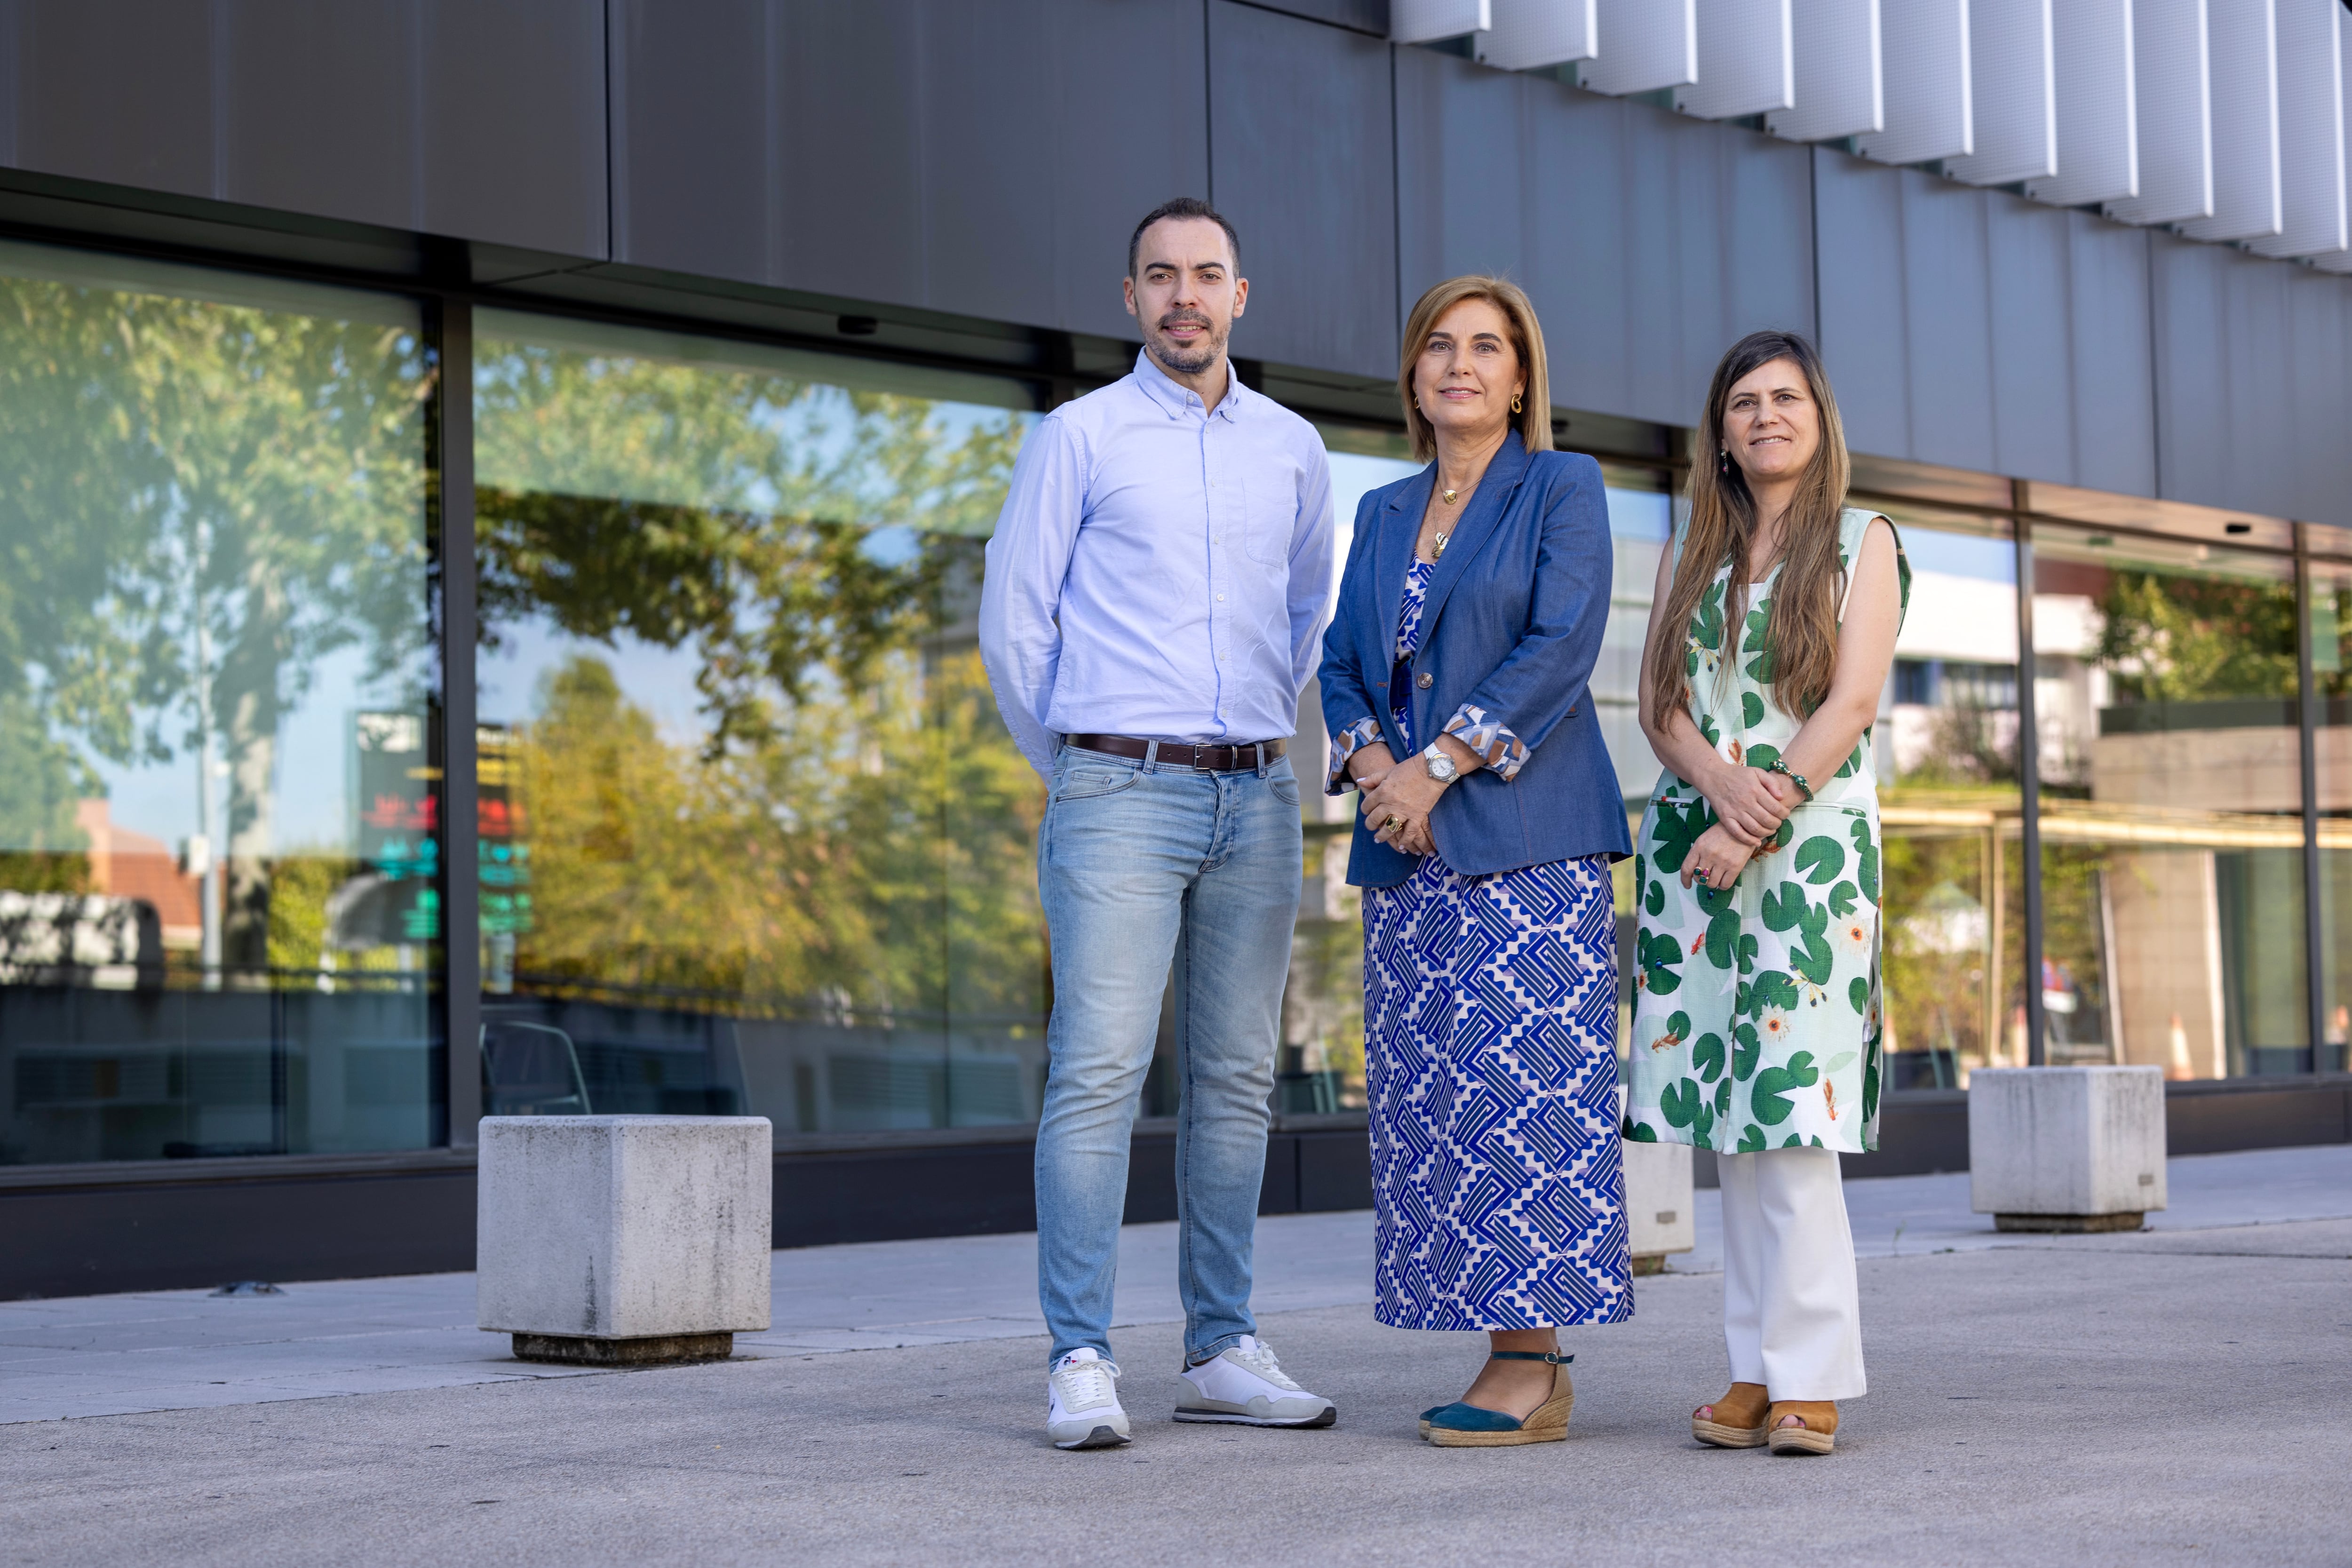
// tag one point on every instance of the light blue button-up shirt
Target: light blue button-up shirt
(1160, 569)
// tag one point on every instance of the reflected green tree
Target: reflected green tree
(850, 828)
(2176, 638)
(203, 501)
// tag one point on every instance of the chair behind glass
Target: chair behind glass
(531, 1069)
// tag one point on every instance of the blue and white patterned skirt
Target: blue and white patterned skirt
(1490, 1023)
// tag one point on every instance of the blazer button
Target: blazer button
(1426, 681)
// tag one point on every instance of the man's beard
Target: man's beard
(1199, 357)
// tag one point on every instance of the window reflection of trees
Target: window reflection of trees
(205, 501)
(2172, 861)
(848, 833)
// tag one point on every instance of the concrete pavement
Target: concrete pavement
(2087, 1403)
(105, 1355)
(2171, 1396)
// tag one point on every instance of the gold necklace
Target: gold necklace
(1450, 495)
(1437, 549)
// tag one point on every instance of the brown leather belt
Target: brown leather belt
(1177, 754)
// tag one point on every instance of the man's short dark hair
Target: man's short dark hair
(1183, 206)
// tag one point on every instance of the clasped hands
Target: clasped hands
(1396, 800)
(1749, 806)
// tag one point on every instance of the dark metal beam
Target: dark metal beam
(453, 494)
(2314, 948)
(2029, 787)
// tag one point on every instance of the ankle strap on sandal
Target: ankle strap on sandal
(1554, 1357)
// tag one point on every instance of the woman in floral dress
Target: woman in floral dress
(1756, 1025)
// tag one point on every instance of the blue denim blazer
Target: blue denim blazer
(1512, 622)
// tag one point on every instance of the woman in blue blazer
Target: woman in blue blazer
(1471, 613)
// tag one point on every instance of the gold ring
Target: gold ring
(1393, 822)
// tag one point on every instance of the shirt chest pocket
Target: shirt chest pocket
(1269, 510)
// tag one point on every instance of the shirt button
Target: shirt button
(1221, 598)
(1426, 680)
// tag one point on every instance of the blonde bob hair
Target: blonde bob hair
(1534, 419)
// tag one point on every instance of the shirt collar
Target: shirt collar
(1179, 399)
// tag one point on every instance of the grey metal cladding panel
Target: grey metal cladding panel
(847, 205)
(116, 90)
(2114, 372)
(1462, 200)
(2191, 402)
(992, 129)
(1766, 253)
(2224, 425)
(2027, 255)
(512, 122)
(2262, 460)
(317, 110)
(1947, 291)
(1364, 16)
(2319, 321)
(691, 139)
(1672, 236)
(1577, 181)
(1866, 318)
(1300, 155)
(1129, 84)
(1717, 232)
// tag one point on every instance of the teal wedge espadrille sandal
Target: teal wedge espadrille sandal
(1460, 1425)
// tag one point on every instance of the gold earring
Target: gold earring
(1514, 403)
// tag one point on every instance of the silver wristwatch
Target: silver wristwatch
(1441, 766)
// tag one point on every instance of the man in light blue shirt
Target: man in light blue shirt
(1155, 592)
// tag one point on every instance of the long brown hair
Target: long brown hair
(1534, 419)
(1800, 644)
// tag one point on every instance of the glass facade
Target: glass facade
(219, 781)
(2166, 695)
(2330, 634)
(1953, 889)
(754, 840)
(751, 838)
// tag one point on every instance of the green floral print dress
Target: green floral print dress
(1756, 1009)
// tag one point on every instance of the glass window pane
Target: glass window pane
(2331, 660)
(2172, 877)
(1320, 1064)
(754, 838)
(1953, 905)
(219, 820)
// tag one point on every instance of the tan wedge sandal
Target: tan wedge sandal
(1817, 1436)
(1460, 1425)
(1738, 1418)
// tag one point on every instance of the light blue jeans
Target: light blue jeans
(1139, 867)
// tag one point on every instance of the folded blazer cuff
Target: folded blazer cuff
(1345, 744)
(1504, 752)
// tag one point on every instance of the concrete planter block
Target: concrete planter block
(1658, 1203)
(2066, 1149)
(621, 1239)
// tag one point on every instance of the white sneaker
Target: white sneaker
(1082, 1403)
(1244, 1383)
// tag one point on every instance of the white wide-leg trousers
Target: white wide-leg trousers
(1792, 1312)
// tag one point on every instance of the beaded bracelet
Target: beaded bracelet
(1793, 777)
